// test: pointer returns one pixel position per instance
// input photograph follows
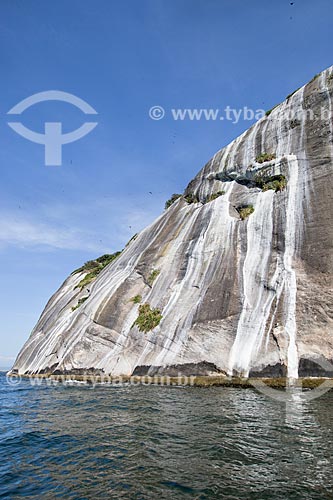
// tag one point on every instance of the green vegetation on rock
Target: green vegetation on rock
(132, 239)
(136, 299)
(105, 259)
(270, 110)
(153, 275)
(290, 95)
(213, 196)
(245, 211)
(95, 267)
(91, 264)
(88, 278)
(276, 182)
(191, 198)
(171, 200)
(80, 301)
(102, 261)
(148, 318)
(265, 157)
(314, 78)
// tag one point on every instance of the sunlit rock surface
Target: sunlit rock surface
(250, 297)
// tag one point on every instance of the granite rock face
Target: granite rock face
(247, 297)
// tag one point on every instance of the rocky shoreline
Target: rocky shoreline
(194, 381)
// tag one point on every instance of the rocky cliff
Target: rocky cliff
(234, 277)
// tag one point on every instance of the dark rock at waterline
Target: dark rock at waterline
(319, 367)
(270, 371)
(187, 369)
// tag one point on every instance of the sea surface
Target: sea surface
(149, 442)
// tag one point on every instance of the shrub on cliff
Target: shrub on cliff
(80, 301)
(292, 93)
(275, 182)
(270, 110)
(171, 200)
(213, 196)
(148, 318)
(95, 267)
(265, 157)
(153, 275)
(245, 211)
(191, 198)
(132, 239)
(136, 299)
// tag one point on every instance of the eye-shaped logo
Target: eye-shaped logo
(53, 138)
(294, 388)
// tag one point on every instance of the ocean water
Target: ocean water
(148, 442)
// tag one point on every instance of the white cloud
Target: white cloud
(21, 232)
(96, 225)
(7, 358)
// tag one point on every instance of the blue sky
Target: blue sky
(123, 57)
